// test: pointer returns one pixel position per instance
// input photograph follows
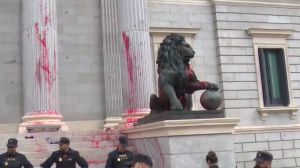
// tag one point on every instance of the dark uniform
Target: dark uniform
(140, 158)
(214, 166)
(13, 159)
(65, 160)
(16, 160)
(117, 159)
(262, 156)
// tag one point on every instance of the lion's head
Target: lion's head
(174, 52)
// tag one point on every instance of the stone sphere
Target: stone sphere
(210, 100)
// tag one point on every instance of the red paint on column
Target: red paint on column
(43, 67)
(129, 61)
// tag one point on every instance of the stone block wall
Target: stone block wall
(81, 76)
(237, 62)
(285, 147)
(187, 151)
(11, 93)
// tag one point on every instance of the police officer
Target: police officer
(119, 157)
(263, 159)
(140, 161)
(65, 157)
(212, 160)
(13, 159)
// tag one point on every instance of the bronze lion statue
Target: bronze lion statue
(176, 81)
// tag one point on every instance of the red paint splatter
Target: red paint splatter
(40, 149)
(95, 143)
(43, 67)
(42, 113)
(129, 61)
(95, 162)
(37, 123)
(132, 111)
(97, 139)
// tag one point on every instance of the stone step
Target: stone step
(94, 146)
(39, 147)
(59, 134)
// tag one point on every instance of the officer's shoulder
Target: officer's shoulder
(20, 155)
(112, 153)
(129, 152)
(73, 151)
(56, 152)
(2, 155)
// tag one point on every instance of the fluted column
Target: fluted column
(40, 64)
(112, 63)
(138, 66)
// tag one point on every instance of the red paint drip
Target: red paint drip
(43, 67)
(132, 111)
(129, 61)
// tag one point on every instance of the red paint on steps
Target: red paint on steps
(97, 139)
(40, 149)
(95, 162)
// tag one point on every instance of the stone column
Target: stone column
(138, 65)
(40, 66)
(112, 64)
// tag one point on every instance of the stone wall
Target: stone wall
(285, 147)
(187, 151)
(11, 93)
(81, 75)
(80, 60)
(236, 56)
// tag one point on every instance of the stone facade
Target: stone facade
(238, 71)
(218, 31)
(283, 145)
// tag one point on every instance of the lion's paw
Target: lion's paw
(176, 107)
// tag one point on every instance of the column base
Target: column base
(112, 122)
(39, 122)
(130, 118)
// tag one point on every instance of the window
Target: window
(274, 88)
(274, 77)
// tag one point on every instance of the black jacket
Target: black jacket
(14, 161)
(117, 159)
(65, 160)
(214, 166)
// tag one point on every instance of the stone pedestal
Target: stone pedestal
(131, 119)
(185, 143)
(179, 115)
(42, 123)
